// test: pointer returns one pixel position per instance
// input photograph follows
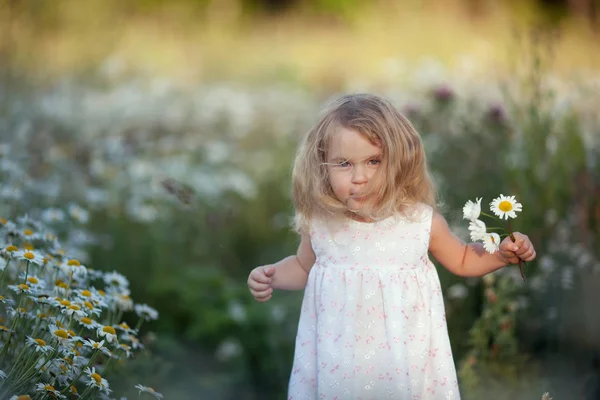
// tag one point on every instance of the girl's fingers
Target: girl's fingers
(262, 300)
(261, 295)
(259, 276)
(258, 286)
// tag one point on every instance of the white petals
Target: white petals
(491, 242)
(477, 229)
(471, 210)
(505, 207)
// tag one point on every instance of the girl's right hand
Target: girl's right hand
(259, 283)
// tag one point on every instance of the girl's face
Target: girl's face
(352, 163)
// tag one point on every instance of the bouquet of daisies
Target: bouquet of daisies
(504, 208)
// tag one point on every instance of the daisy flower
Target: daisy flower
(53, 215)
(77, 213)
(73, 268)
(471, 210)
(107, 332)
(96, 380)
(48, 389)
(9, 250)
(38, 344)
(505, 207)
(477, 229)
(491, 242)
(87, 323)
(21, 397)
(29, 255)
(60, 334)
(116, 279)
(149, 390)
(146, 312)
(21, 288)
(73, 309)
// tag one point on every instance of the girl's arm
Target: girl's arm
(291, 273)
(471, 259)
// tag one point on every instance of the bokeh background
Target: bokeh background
(175, 123)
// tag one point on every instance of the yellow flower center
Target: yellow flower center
(65, 303)
(3, 221)
(40, 342)
(97, 378)
(72, 332)
(86, 320)
(88, 305)
(28, 246)
(33, 280)
(61, 334)
(23, 310)
(74, 307)
(49, 388)
(124, 325)
(28, 232)
(73, 263)
(109, 329)
(96, 345)
(23, 286)
(29, 255)
(3, 328)
(505, 206)
(1, 297)
(73, 389)
(12, 248)
(42, 316)
(24, 397)
(63, 285)
(101, 293)
(86, 293)
(126, 347)
(58, 323)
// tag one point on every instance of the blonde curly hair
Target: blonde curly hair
(403, 180)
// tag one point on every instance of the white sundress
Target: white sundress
(373, 324)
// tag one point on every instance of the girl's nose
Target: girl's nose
(359, 174)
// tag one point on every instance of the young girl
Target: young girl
(372, 324)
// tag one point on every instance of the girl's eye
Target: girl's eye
(344, 164)
(374, 162)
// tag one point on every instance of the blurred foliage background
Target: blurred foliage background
(176, 122)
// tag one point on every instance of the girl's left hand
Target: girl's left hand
(521, 249)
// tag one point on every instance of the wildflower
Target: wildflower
(96, 380)
(123, 326)
(149, 390)
(124, 302)
(21, 288)
(146, 312)
(126, 349)
(87, 323)
(48, 389)
(61, 335)
(9, 250)
(505, 206)
(2, 374)
(97, 346)
(77, 213)
(21, 397)
(73, 309)
(471, 210)
(38, 344)
(29, 255)
(491, 242)
(477, 229)
(108, 332)
(73, 268)
(53, 215)
(116, 279)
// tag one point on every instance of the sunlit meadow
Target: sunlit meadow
(125, 196)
